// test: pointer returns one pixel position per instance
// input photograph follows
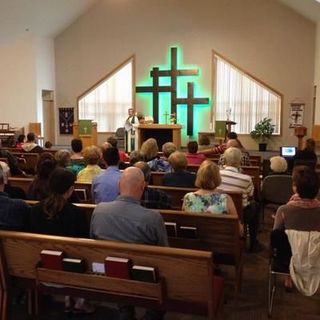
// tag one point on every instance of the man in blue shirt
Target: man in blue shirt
(14, 213)
(105, 186)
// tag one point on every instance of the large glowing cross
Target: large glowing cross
(173, 73)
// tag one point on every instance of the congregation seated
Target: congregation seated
(307, 156)
(125, 220)
(232, 179)
(54, 214)
(162, 164)
(30, 145)
(203, 142)
(192, 155)
(12, 162)
(135, 156)
(220, 149)
(11, 191)
(39, 187)
(91, 156)
(114, 143)
(152, 198)
(20, 141)
(278, 165)
(206, 198)
(14, 213)
(245, 160)
(298, 217)
(105, 186)
(180, 177)
(149, 149)
(63, 158)
(47, 145)
(302, 212)
(76, 159)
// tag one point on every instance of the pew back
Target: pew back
(188, 274)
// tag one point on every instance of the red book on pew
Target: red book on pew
(117, 267)
(51, 259)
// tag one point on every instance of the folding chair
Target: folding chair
(280, 256)
(276, 190)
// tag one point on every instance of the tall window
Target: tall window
(243, 99)
(107, 103)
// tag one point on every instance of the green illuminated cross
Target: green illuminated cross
(190, 101)
(173, 73)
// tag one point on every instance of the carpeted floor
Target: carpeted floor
(252, 303)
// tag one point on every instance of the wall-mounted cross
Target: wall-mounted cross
(173, 73)
(155, 89)
(190, 101)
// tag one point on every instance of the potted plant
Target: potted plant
(262, 132)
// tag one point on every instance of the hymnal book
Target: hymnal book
(74, 265)
(171, 229)
(117, 267)
(188, 232)
(142, 273)
(51, 259)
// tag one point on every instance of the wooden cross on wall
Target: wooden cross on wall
(173, 73)
(190, 101)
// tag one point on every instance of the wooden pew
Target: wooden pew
(22, 183)
(255, 173)
(186, 276)
(217, 233)
(27, 161)
(82, 189)
(176, 194)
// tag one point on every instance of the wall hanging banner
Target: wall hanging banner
(296, 114)
(66, 119)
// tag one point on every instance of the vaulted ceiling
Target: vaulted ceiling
(23, 18)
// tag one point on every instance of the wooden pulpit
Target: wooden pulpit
(161, 132)
(86, 130)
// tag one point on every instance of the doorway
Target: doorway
(48, 115)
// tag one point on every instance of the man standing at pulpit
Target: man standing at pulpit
(131, 134)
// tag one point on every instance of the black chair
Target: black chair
(280, 256)
(276, 190)
(120, 133)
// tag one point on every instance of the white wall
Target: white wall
(18, 83)
(264, 37)
(26, 67)
(45, 71)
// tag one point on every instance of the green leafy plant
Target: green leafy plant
(263, 130)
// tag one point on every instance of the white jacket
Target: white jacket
(305, 260)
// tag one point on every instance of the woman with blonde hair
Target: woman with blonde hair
(149, 149)
(91, 156)
(207, 199)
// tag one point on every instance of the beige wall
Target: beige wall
(18, 83)
(26, 67)
(262, 36)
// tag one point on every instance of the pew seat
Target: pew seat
(186, 280)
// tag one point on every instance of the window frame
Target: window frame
(132, 58)
(248, 74)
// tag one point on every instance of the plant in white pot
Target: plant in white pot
(262, 132)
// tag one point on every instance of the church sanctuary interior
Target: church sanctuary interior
(211, 99)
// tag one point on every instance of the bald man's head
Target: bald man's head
(132, 183)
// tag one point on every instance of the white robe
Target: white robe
(131, 135)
